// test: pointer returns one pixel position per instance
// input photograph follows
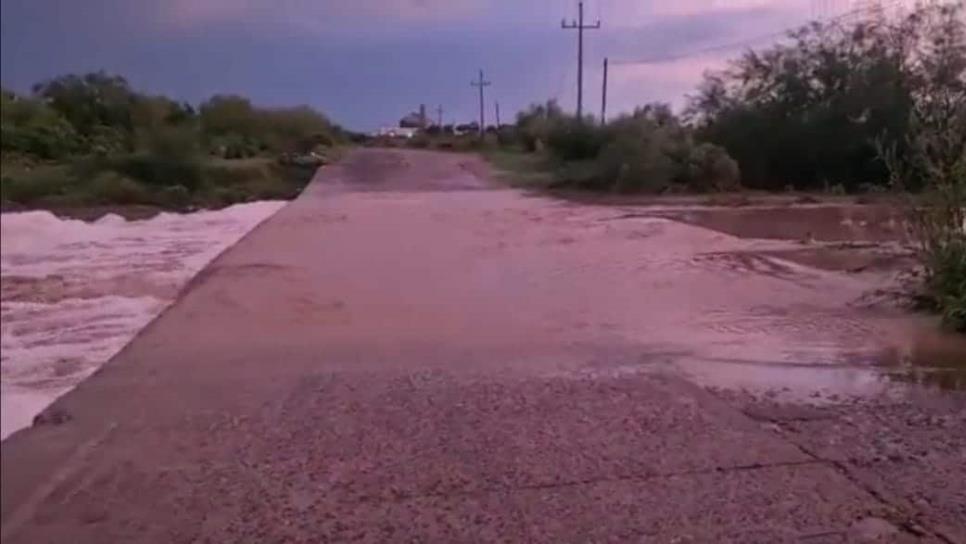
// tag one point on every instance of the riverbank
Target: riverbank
(85, 190)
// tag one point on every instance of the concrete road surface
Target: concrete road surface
(406, 354)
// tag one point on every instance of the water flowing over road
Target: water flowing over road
(407, 353)
(73, 293)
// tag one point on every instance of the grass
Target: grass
(215, 183)
(520, 169)
(946, 281)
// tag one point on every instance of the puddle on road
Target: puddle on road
(915, 355)
(927, 359)
(930, 358)
(824, 223)
(857, 354)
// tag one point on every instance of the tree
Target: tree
(90, 102)
(811, 111)
(31, 127)
(223, 115)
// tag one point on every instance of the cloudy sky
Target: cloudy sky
(367, 62)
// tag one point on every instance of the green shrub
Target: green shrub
(633, 163)
(507, 136)
(106, 141)
(169, 156)
(571, 139)
(175, 196)
(236, 172)
(53, 140)
(649, 150)
(113, 188)
(709, 168)
(535, 124)
(579, 175)
(29, 126)
(946, 281)
(233, 127)
(37, 185)
(233, 146)
(161, 171)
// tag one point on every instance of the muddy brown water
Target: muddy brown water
(813, 222)
(865, 242)
(769, 296)
(931, 358)
(857, 239)
(372, 355)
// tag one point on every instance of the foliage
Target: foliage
(31, 127)
(90, 101)
(946, 281)
(111, 188)
(92, 139)
(813, 111)
(234, 128)
(532, 170)
(710, 168)
(935, 160)
(35, 184)
(649, 150)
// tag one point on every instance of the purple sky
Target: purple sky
(367, 62)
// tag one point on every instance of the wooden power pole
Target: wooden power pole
(580, 27)
(439, 116)
(603, 97)
(481, 83)
(497, 106)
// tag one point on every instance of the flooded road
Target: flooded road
(773, 298)
(409, 353)
(73, 293)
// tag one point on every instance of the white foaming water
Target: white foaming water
(74, 293)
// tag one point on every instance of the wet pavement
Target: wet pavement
(407, 354)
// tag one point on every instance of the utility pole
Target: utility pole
(603, 97)
(497, 104)
(580, 27)
(439, 116)
(481, 83)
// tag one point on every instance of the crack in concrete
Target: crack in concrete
(896, 508)
(899, 512)
(403, 497)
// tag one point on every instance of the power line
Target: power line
(657, 59)
(579, 26)
(481, 83)
(603, 97)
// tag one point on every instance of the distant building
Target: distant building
(416, 119)
(467, 128)
(397, 132)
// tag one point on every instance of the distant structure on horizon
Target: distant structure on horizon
(416, 119)
(397, 132)
(415, 122)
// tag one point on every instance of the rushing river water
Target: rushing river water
(74, 293)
